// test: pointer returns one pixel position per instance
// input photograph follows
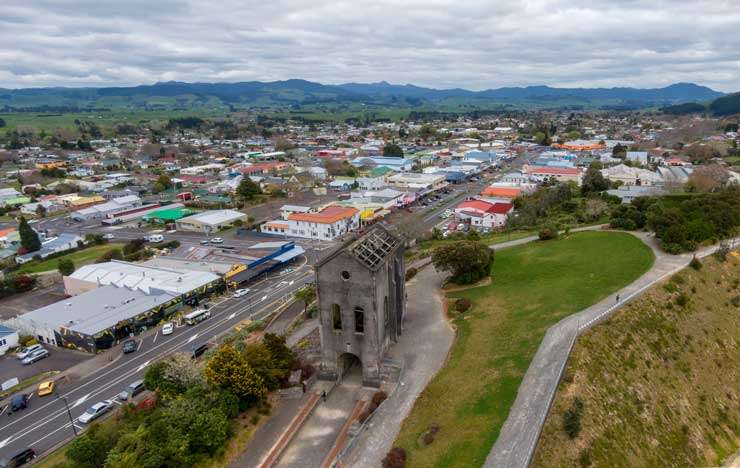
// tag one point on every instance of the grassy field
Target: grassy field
(425, 248)
(534, 286)
(79, 258)
(659, 382)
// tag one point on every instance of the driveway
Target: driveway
(423, 348)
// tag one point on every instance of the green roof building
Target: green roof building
(167, 215)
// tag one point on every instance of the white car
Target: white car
(217, 240)
(108, 236)
(168, 328)
(28, 350)
(95, 411)
(241, 292)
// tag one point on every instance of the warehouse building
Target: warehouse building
(210, 221)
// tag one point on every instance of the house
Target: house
(327, 224)
(638, 156)
(9, 237)
(627, 193)
(287, 210)
(8, 339)
(8, 194)
(61, 243)
(210, 221)
(301, 180)
(515, 177)
(485, 214)
(395, 164)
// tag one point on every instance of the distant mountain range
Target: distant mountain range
(301, 94)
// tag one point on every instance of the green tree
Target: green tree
(307, 295)
(467, 261)
(90, 449)
(40, 211)
(260, 359)
(229, 370)
(593, 181)
(29, 239)
(392, 149)
(282, 356)
(164, 181)
(66, 266)
(247, 189)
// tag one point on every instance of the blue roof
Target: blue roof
(4, 331)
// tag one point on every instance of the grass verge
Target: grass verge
(658, 382)
(534, 286)
(79, 258)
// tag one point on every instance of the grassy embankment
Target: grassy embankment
(534, 286)
(659, 382)
(79, 258)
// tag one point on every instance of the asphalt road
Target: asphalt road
(45, 423)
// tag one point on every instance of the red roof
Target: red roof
(486, 207)
(507, 192)
(554, 170)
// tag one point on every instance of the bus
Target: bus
(197, 316)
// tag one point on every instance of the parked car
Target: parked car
(204, 242)
(241, 292)
(95, 411)
(132, 390)
(168, 328)
(19, 459)
(28, 350)
(217, 240)
(46, 388)
(154, 238)
(108, 236)
(129, 346)
(18, 402)
(37, 355)
(198, 351)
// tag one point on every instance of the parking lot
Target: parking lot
(59, 359)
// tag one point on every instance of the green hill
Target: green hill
(658, 385)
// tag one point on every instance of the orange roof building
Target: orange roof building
(501, 192)
(327, 224)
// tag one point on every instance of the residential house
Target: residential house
(632, 175)
(61, 243)
(327, 224)
(484, 214)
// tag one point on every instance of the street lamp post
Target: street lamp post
(69, 413)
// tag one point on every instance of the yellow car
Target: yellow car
(46, 388)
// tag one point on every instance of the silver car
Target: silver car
(28, 350)
(37, 355)
(95, 411)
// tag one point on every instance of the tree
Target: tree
(40, 210)
(66, 266)
(90, 449)
(229, 370)
(393, 150)
(282, 356)
(260, 359)
(468, 261)
(306, 294)
(709, 178)
(164, 181)
(593, 181)
(247, 189)
(29, 239)
(619, 151)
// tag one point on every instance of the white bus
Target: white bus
(197, 316)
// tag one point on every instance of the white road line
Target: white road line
(30, 395)
(155, 336)
(192, 338)
(141, 342)
(3, 410)
(142, 366)
(263, 298)
(115, 400)
(232, 316)
(5, 442)
(80, 400)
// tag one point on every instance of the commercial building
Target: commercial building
(8, 339)
(424, 182)
(561, 174)
(107, 209)
(210, 221)
(327, 224)
(167, 215)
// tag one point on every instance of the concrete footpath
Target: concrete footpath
(517, 441)
(423, 349)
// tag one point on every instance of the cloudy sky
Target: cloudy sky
(473, 44)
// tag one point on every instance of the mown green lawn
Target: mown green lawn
(79, 258)
(534, 286)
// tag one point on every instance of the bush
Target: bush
(396, 458)
(695, 263)
(379, 397)
(722, 252)
(27, 340)
(112, 254)
(66, 267)
(682, 299)
(462, 305)
(572, 418)
(410, 273)
(548, 232)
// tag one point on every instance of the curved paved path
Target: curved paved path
(517, 441)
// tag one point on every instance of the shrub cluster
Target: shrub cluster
(572, 418)
(462, 304)
(396, 458)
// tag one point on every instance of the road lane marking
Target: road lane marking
(142, 366)
(263, 298)
(192, 338)
(5, 442)
(80, 400)
(141, 342)
(233, 314)
(155, 336)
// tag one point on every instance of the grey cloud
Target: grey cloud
(475, 44)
